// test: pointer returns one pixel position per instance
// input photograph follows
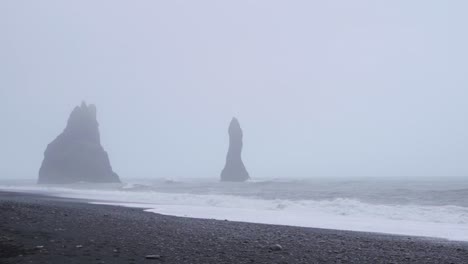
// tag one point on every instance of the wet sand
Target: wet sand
(40, 229)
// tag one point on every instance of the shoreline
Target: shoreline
(46, 229)
(346, 214)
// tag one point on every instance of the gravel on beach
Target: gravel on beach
(41, 229)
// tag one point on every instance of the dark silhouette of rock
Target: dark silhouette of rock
(76, 155)
(234, 170)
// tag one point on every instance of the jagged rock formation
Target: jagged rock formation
(76, 155)
(234, 170)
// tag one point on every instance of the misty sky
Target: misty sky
(321, 88)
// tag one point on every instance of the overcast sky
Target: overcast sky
(321, 88)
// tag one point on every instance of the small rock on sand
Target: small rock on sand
(153, 257)
(276, 247)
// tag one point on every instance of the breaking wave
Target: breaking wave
(441, 221)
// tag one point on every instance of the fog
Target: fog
(321, 88)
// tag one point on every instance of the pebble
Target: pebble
(276, 247)
(153, 257)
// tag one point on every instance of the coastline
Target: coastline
(52, 230)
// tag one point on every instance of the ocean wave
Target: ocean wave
(446, 221)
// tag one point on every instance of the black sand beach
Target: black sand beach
(39, 229)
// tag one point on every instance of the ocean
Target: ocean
(430, 207)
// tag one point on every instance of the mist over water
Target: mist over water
(322, 89)
(354, 113)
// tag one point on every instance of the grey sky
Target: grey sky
(321, 88)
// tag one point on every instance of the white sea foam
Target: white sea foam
(447, 221)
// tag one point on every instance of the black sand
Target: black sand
(37, 229)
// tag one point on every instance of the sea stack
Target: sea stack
(76, 155)
(234, 171)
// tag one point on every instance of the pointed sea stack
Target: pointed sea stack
(76, 155)
(234, 171)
